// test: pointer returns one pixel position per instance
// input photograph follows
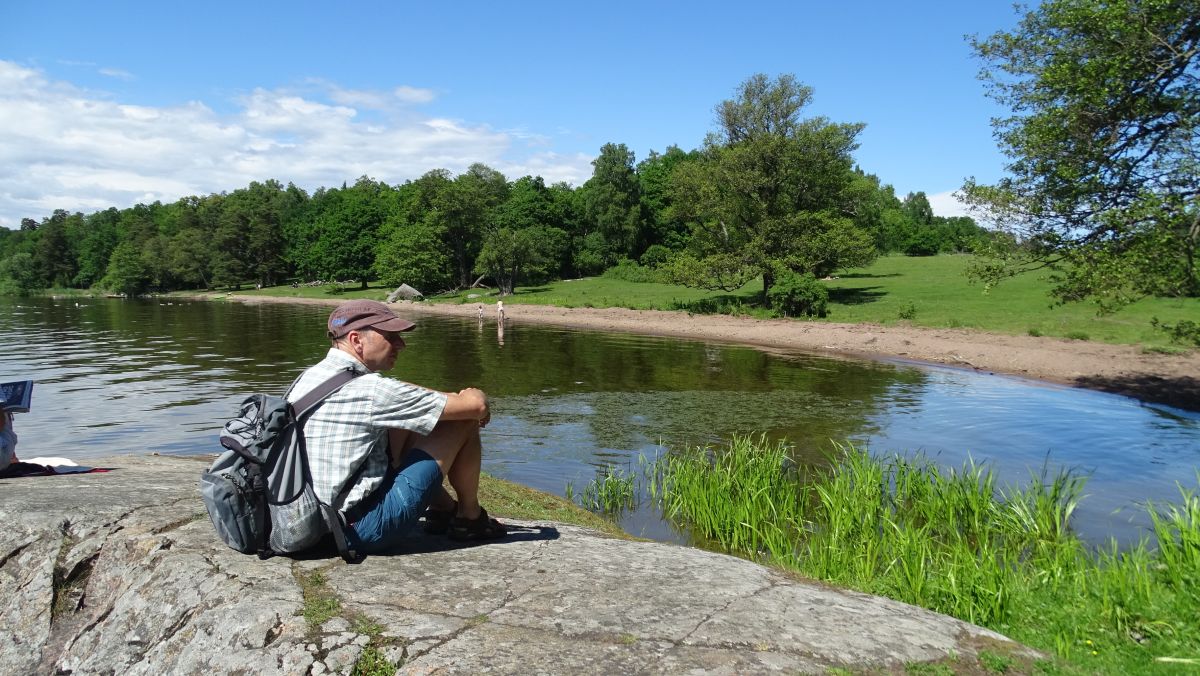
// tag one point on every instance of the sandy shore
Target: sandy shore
(1123, 369)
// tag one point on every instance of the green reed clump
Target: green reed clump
(747, 497)
(953, 541)
(612, 490)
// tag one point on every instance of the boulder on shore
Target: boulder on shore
(404, 291)
(121, 572)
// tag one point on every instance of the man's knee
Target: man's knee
(446, 440)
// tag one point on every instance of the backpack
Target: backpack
(259, 492)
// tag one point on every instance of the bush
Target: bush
(907, 311)
(795, 295)
(1185, 331)
(629, 271)
(656, 255)
(925, 242)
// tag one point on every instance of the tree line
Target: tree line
(770, 193)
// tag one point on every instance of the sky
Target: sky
(115, 103)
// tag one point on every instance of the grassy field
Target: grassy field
(920, 291)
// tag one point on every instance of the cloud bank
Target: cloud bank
(63, 147)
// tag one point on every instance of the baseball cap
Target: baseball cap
(360, 314)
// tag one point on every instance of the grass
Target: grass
(920, 291)
(505, 498)
(320, 603)
(955, 542)
(611, 491)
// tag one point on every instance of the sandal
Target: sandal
(437, 521)
(482, 527)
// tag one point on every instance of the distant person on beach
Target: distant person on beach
(481, 312)
(384, 446)
(500, 311)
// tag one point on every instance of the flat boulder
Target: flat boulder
(121, 572)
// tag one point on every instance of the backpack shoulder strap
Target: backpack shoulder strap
(320, 392)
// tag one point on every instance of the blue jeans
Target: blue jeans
(388, 515)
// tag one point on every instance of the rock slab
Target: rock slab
(121, 572)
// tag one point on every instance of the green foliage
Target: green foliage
(372, 662)
(924, 242)
(1102, 180)
(320, 603)
(952, 541)
(127, 272)
(413, 254)
(612, 490)
(655, 256)
(1077, 335)
(768, 192)
(908, 311)
(510, 256)
(612, 202)
(629, 271)
(798, 295)
(1184, 331)
(19, 274)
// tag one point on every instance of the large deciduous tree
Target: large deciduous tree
(771, 192)
(1104, 161)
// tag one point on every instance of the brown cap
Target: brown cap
(360, 314)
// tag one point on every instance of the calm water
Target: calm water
(134, 376)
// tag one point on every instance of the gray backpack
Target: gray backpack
(259, 492)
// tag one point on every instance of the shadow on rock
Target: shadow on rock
(1180, 392)
(421, 543)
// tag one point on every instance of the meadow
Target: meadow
(919, 291)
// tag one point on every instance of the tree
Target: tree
(95, 246)
(612, 202)
(127, 273)
(771, 192)
(654, 180)
(345, 223)
(53, 253)
(1104, 166)
(509, 255)
(413, 254)
(20, 274)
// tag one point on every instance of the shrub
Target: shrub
(1034, 331)
(798, 295)
(629, 271)
(1185, 331)
(1078, 335)
(925, 242)
(655, 255)
(908, 311)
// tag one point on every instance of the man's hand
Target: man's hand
(467, 404)
(478, 396)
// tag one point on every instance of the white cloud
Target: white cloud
(947, 204)
(413, 94)
(62, 147)
(116, 73)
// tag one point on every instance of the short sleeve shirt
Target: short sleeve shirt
(349, 430)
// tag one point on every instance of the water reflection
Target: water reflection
(122, 377)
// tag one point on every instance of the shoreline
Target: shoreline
(1170, 379)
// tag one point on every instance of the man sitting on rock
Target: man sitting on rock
(430, 435)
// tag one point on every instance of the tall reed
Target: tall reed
(951, 540)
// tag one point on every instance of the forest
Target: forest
(770, 193)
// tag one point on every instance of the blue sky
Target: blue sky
(113, 103)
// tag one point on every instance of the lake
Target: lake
(117, 376)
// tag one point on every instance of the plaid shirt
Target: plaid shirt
(351, 427)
